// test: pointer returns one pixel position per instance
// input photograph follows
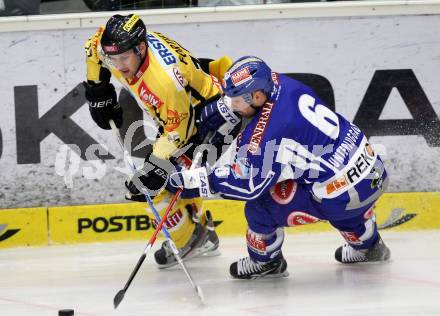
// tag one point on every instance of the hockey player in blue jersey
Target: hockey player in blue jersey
(296, 162)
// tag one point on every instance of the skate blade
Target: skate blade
(366, 263)
(200, 253)
(213, 253)
(284, 274)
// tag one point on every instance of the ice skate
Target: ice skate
(246, 268)
(203, 242)
(378, 252)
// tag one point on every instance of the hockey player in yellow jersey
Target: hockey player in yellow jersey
(172, 87)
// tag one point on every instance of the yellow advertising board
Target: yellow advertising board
(128, 221)
(421, 210)
(408, 211)
(97, 223)
(23, 227)
(131, 221)
(228, 217)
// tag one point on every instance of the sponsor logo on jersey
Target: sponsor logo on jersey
(336, 185)
(359, 168)
(260, 128)
(130, 23)
(174, 119)
(176, 77)
(179, 49)
(179, 77)
(113, 224)
(361, 165)
(351, 238)
(148, 97)
(241, 76)
(256, 242)
(283, 192)
(172, 221)
(298, 218)
(346, 147)
(165, 56)
(240, 168)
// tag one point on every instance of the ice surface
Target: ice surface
(41, 281)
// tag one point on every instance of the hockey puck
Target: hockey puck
(65, 312)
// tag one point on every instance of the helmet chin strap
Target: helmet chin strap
(256, 108)
(248, 99)
(137, 51)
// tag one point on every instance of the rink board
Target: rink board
(131, 221)
(422, 207)
(23, 227)
(97, 223)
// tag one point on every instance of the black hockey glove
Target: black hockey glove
(153, 177)
(218, 117)
(103, 104)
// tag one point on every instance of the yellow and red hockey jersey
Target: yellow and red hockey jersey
(168, 86)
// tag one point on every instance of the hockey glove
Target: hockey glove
(217, 116)
(193, 180)
(151, 179)
(103, 104)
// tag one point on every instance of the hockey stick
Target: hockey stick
(397, 217)
(120, 295)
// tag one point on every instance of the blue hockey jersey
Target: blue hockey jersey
(294, 136)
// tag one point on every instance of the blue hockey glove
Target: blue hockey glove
(218, 116)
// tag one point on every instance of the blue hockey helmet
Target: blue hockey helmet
(246, 75)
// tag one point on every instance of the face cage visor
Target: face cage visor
(239, 103)
(122, 58)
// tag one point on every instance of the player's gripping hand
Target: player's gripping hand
(103, 104)
(217, 116)
(194, 182)
(152, 177)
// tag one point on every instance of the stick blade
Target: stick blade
(200, 294)
(405, 218)
(118, 298)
